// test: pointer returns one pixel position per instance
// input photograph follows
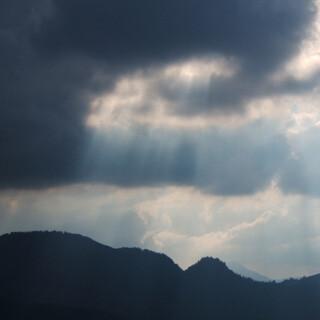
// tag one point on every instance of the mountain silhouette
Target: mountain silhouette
(54, 275)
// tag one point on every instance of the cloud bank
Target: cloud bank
(58, 57)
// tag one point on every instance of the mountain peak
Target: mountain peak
(209, 264)
(211, 261)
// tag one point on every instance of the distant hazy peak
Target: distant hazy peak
(247, 273)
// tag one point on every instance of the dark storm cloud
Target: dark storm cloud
(55, 55)
(261, 34)
(42, 101)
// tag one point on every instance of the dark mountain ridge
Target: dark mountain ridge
(54, 275)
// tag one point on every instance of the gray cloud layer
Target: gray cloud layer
(301, 173)
(227, 162)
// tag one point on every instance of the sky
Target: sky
(187, 127)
